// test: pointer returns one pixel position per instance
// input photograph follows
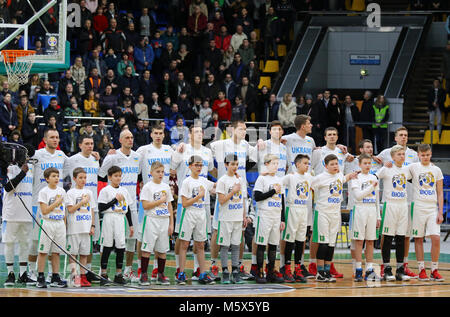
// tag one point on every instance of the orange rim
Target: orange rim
(9, 56)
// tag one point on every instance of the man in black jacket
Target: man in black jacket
(147, 86)
(351, 115)
(367, 115)
(271, 32)
(318, 120)
(113, 38)
(436, 100)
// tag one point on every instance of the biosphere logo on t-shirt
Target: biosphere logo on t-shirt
(86, 206)
(158, 195)
(368, 199)
(426, 182)
(302, 189)
(52, 200)
(365, 185)
(335, 192)
(399, 184)
(237, 197)
(276, 196)
(120, 206)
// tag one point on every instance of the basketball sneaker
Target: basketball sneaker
(131, 277)
(435, 276)
(32, 275)
(245, 275)
(119, 279)
(254, 270)
(321, 277)
(400, 274)
(409, 273)
(330, 278)
(57, 282)
(388, 276)
(143, 281)
(92, 278)
(382, 271)
(11, 280)
(334, 272)
(196, 275)
(177, 271)
(74, 281)
(312, 268)
(162, 280)
(181, 278)
(105, 280)
(155, 274)
(26, 279)
(305, 272)
(237, 277)
(358, 275)
(423, 275)
(204, 278)
(298, 274)
(84, 282)
(287, 273)
(41, 283)
(274, 277)
(260, 279)
(214, 273)
(370, 275)
(226, 277)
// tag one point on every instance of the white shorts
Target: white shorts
(155, 235)
(326, 227)
(363, 223)
(229, 232)
(423, 220)
(13, 231)
(79, 244)
(394, 220)
(56, 230)
(296, 224)
(113, 230)
(192, 224)
(267, 230)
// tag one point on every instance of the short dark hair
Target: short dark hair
(301, 120)
(363, 157)
(329, 158)
(84, 136)
(299, 158)
(195, 159)
(275, 123)
(230, 158)
(330, 129)
(157, 126)
(49, 172)
(114, 169)
(423, 148)
(235, 123)
(361, 143)
(78, 171)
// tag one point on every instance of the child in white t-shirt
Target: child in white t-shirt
(80, 225)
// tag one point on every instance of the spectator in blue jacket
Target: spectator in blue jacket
(172, 117)
(179, 132)
(143, 55)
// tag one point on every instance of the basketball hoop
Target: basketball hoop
(18, 65)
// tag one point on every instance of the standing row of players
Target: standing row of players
(194, 197)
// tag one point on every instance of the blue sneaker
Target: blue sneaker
(181, 278)
(358, 275)
(205, 279)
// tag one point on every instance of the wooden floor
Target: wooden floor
(343, 288)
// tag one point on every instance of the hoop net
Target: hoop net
(18, 65)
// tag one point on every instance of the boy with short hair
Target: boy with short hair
(394, 220)
(328, 187)
(366, 217)
(298, 196)
(80, 225)
(232, 196)
(427, 210)
(114, 205)
(268, 194)
(156, 198)
(51, 200)
(193, 218)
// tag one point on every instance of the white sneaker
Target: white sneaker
(32, 275)
(131, 277)
(49, 278)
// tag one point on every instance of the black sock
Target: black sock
(399, 248)
(260, 256)
(161, 265)
(41, 275)
(298, 251)
(272, 255)
(288, 252)
(119, 258)
(386, 251)
(144, 264)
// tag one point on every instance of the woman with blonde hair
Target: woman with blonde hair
(79, 74)
(228, 57)
(287, 113)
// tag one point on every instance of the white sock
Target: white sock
(421, 265)
(434, 266)
(282, 260)
(139, 263)
(313, 260)
(10, 268)
(369, 266)
(32, 266)
(127, 270)
(177, 261)
(50, 269)
(155, 263)
(23, 269)
(254, 259)
(353, 265)
(405, 260)
(358, 265)
(196, 265)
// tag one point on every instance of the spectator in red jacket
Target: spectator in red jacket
(223, 107)
(197, 21)
(100, 21)
(223, 39)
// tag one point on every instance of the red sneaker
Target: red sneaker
(84, 282)
(408, 272)
(286, 273)
(423, 275)
(155, 274)
(254, 270)
(196, 275)
(312, 268)
(139, 272)
(298, 275)
(435, 276)
(176, 272)
(334, 272)
(382, 270)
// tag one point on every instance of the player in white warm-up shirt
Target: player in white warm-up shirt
(129, 161)
(427, 210)
(401, 138)
(17, 222)
(45, 158)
